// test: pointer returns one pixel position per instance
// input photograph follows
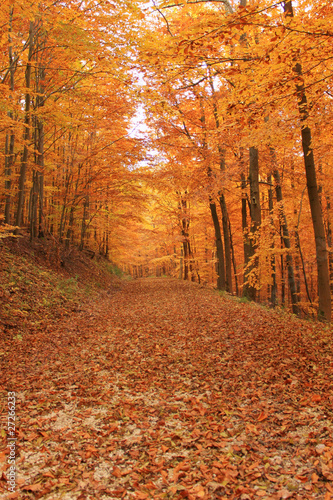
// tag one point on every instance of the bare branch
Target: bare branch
(165, 19)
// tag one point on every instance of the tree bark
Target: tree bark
(286, 242)
(10, 139)
(273, 288)
(255, 214)
(223, 205)
(324, 292)
(246, 243)
(329, 239)
(26, 135)
(227, 246)
(233, 258)
(221, 282)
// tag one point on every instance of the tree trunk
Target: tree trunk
(10, 138)
(26, 135)
(40, 157)
(246, 243)
(227, 247)
(286, 242)
(233, 258)
(255, 214)
(221, 282)
(181, 264)
(324, 292)
(329, 239)
(41, 179)
(223, 205)
(273, 288)
(84, 221)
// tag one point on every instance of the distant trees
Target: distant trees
(66, 106)
(240, 84)
(237, 99)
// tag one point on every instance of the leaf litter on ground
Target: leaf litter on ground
(167, 390)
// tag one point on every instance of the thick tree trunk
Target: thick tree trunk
(324, 292)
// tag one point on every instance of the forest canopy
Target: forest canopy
(226, 181)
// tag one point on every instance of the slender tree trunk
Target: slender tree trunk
(329, 239)
(233, 258)
(181, 264)
(273, 288)
(298, 246)
(84, 221)
(33, 205)
(64, 206)
(255, 213)
(10, 139)
(26, 135)
(297, 240)
(286, 242)
(223, 205)
(37, 191)
(185, 260)
(246, 242)
(324, 291)
(185, 223)
(41, 179)
(40, 149)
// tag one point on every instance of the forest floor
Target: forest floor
(159, 389)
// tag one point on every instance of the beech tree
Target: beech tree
(236, 98)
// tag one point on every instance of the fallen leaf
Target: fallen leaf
(262, 417)
(32, 487)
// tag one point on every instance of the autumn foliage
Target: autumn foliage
(228, 184)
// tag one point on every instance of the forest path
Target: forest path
(164, 389)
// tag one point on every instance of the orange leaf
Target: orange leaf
(116, 472)
(262, 416)
(303, 479)
(270, 478)
(327, 472)
(141, 495)
(13, 495)
(314, 478)
(48, 474)
(32, 487)
(165, 476)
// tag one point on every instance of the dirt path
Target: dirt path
(166, 390)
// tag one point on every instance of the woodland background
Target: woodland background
(229, 180)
